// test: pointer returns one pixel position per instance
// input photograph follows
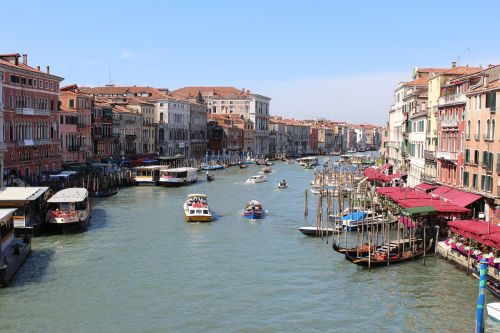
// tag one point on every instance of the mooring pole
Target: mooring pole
(480, 298)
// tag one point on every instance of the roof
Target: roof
(457, 197)
(21, 193)
(216, 92)
(197, 195)
(421, 81)
(425, 187)
(23, 66)
(152, 93)
(492, 85)
(6, 212)
(462, 70)
(76, 194)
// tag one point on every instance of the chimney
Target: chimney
(48, 69)
(38, 68)
(453, 64)
(25, 59)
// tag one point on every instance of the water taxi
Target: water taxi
(256, 179)
(196, 208)
(70, 206)
(31, 206)
(308, 161)
(13, 251)
(253, 210)
(178, 176)
(147, 175)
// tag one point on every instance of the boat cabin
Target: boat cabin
(70, 205)
(30, 203)
(178, 176)
(310, 160)
(147, 175)
(6, 228)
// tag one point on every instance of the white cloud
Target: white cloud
(364, 98)
(127, 55)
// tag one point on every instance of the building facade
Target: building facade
(30, 112)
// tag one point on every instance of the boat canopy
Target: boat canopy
(5, 213)
(21, 193)
(355, 216)
(77, 194)
(194, 195)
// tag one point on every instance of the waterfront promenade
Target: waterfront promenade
(141, 268)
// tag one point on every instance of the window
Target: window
(492, 132)
(474, 180)
(71, 103)
(485, 159)
(476, 157)
(491, 100)
(467, 156)
(478, 129)
(466, 178)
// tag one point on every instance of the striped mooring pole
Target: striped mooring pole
(480, 298)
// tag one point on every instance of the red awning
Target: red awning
(440, 206)
(492, 240)
(441, 190)
(461, 198)
(477, 230)
(425, 187)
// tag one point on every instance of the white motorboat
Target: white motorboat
(178, 176)
(196, 208)
(313, 231)
(256, 179)
(146, 175)
(493, 311)
(70, 206)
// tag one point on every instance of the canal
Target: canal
(141, 268)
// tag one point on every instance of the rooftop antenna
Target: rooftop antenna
(110, 81)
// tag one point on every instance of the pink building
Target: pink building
(30, 117)
(75, 125)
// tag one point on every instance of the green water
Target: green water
(141, 268)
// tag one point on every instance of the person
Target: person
(284, 182)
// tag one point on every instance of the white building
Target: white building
(229, 100)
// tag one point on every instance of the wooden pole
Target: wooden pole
(425, 244)
(306, 209)
(436, 242)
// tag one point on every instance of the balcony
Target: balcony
(428, 178)
(449, 124)
(32, 112)
(487, 138)
(451, 99)
(447, 155)
(32, 142)
(429, 155)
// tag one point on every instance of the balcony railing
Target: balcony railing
(429, 155)
(449, 124)
(32, 112)
(428, 178)
(447, 155)
(33, 142)
(452, 99)
(487, 138)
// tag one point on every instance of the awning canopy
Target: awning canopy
(425, 187)
(440, 190)
(460, 198)
(473, 229)
(421, 210)
(492, 240)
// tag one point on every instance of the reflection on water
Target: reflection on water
(141, 268)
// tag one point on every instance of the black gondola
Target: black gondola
(210, 177)
(492, 284)
(243, 165)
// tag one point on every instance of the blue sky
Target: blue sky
(339, 60)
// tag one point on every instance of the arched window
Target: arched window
(161, 116)
(488, 129)
(161, 133)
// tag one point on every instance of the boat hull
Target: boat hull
(253, 215)
(199, 218)
(315, 232)
(101, 194)
(493, 311)
(12, 258)
(177, 184)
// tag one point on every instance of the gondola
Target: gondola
(243, 165)
(210, 177)
(492, 284)
(393, 259)
(353, 252)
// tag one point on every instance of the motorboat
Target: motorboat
(210, 177)
(266, 169)
(178, 176)
(313, 231)
(493, 310)
(205, 166)
(13, 250)
(256, 179)
(253, 210)
(308, 162)
(243, 165)
(70, 206)
(196, 208)
(282, 184)
(353, 221)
